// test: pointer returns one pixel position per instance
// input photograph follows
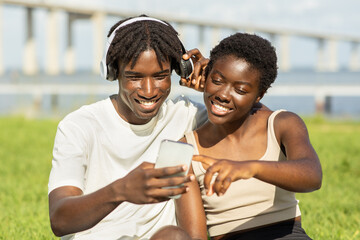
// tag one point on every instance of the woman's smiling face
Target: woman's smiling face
(231, 90)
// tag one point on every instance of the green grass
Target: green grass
(333, 212)
(25, 153)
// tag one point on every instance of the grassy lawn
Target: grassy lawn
(25, 153)
(333, 212)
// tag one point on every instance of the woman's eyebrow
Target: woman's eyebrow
(238, 82)
(218, 72)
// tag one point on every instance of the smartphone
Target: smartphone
(173, 153)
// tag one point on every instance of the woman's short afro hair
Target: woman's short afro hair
(255, 50)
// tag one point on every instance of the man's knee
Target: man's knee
(170, 232)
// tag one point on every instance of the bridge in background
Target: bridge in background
(322, 94)
(326, 51)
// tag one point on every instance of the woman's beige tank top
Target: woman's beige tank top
(247, 203)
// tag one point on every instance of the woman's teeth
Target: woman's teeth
(221, 108)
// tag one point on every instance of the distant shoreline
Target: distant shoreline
(48, 105)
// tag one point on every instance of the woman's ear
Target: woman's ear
(260, 96)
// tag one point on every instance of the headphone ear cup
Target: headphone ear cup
(186, 67)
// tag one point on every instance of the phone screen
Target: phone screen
(173, 153)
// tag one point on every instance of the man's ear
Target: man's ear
(112, 74)
(120, 70)
(260, 96)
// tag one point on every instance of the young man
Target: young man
(103, 184)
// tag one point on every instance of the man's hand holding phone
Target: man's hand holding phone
(153, 183)
(146, 184)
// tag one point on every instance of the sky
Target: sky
(325, 16)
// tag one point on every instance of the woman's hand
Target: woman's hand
(225, 172)
(197, 78)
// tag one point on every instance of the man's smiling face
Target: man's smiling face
(143, 88)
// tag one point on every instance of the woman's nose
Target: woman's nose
(223, 94)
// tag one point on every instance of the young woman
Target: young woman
(250, 162)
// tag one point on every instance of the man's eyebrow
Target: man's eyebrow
(138, 73)
(163, 71)
(132, 73)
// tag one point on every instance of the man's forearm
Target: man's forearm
(75, 213)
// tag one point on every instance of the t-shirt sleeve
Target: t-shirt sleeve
(69, 157)
(196, 113)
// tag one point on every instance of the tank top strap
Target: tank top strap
(271, 120)
(273, 148)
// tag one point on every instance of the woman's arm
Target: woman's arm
(197, 79)
(190, 211)
(300, 173)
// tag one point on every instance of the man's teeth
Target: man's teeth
(221, 108)
(147, 103)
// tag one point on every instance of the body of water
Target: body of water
(341, 106)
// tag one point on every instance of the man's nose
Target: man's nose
(147, 88)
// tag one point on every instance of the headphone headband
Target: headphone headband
(130, 21)
(184, 69)
(103, 64)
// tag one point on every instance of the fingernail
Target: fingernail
(192, 177)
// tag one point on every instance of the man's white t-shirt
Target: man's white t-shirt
(94, 146)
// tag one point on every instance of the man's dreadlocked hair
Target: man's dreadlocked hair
(255, 50)
(133, 39)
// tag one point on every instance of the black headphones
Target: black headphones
(108, 72)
